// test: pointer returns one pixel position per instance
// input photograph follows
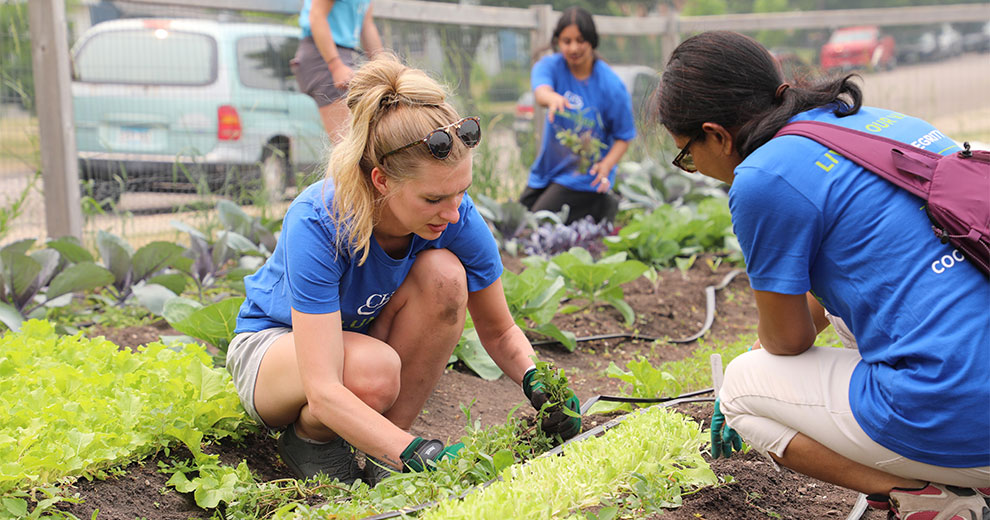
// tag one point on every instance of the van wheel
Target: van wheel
(274, 173)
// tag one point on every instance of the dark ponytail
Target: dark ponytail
(730, 79)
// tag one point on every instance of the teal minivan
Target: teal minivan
(167, 105)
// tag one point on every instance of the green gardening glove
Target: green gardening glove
(556, 421)
(724, 439)
(423, 454)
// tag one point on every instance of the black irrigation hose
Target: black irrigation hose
(709, 319)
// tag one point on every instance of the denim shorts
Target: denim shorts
(244, 355)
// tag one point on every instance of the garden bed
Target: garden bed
(675, 308)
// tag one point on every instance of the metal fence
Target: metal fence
(484, 53)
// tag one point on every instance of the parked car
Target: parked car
(173, 104)
(978, 41)
(923, 48)
(950, 42)
(640, 81)
(861, 47)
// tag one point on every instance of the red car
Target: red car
(861, 47)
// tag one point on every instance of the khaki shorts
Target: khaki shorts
(768, 399)
(244, 355)
(313, 73)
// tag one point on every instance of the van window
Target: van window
(151, 56)
(263, 62)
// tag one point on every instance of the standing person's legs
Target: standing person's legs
(796, 409)
(314, 79)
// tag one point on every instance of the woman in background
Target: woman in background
(585, 98)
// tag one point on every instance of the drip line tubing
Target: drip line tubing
(709, 319)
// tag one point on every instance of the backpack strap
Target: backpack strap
(900, 163)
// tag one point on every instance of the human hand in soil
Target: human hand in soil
(420, 453)
(555, 420)
(724, 438)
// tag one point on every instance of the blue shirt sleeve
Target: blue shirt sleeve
(313, 266)
(542, 73)
(778, 228)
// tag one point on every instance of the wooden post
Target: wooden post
(538, 39)
(671, 34)
(53, 99)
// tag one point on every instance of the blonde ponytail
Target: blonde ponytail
(391, 105)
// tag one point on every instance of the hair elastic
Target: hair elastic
(779, 94)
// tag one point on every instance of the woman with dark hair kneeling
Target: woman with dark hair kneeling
(905, 416)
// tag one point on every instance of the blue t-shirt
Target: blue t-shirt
(809, 219)
(601, 104)
(346, 18)
(307, 272)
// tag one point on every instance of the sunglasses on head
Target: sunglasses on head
(684, 160)
(440, 142)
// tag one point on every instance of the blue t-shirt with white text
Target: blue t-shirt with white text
(601, 105)
(809, 219)
(306, 272)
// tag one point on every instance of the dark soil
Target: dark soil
(674, 308)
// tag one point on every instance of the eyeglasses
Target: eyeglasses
(440, 142)
(684, 160)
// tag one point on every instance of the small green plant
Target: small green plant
(14, 208)
(661, 237)
(594, 282)
(534, 299)
(580, 139)
(554, 383)
(214, 323)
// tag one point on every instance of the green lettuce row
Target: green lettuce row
(72, 406)
(655, 442)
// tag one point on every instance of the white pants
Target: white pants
(768, 399)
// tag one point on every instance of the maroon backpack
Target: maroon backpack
(956, 187)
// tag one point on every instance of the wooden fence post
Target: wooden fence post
(56, 129)
(538, 39)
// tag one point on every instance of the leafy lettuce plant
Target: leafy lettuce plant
(594, 282)
(658, 445)
(76, 407)
(668, 233)
(32, 282)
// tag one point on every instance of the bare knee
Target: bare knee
(444, 282)
(375, 378)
